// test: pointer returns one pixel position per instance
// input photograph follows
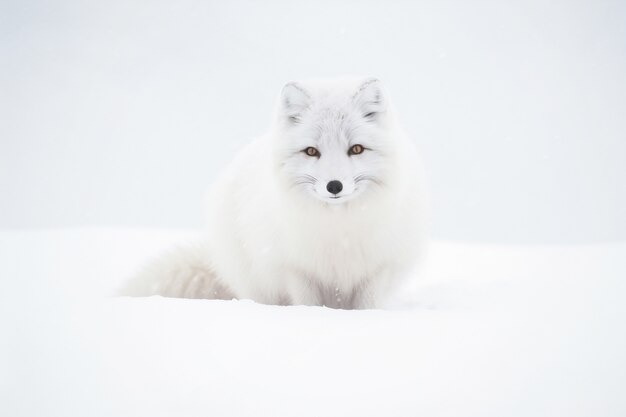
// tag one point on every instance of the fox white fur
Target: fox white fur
(277, 235)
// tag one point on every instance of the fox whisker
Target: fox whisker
(365, 177)
(304, 179)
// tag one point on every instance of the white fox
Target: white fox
(326, 209)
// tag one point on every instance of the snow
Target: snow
(481, 330)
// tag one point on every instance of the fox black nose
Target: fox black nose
(334, 187)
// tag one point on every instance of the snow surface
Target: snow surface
(484, 330)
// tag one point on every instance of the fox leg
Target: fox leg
(301, 291)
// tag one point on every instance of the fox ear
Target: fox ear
(294, 101)
(370, 98)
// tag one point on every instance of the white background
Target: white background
(120, 113)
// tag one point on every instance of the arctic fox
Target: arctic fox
(326, 209)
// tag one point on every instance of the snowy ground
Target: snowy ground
(486, 330)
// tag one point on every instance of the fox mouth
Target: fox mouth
(337, 199)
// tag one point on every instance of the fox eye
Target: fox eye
(369, 115)
(311, 151)
(356, 149)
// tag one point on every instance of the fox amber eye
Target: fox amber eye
(311, 151)
(355, 150)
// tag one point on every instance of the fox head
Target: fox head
(332, 138)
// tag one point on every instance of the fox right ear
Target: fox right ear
(294, 101)
(371, 98)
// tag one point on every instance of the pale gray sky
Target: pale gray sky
(120, 113)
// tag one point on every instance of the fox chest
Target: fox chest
(338, 253)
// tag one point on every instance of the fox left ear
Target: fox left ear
(294, 101)
(370, 98)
